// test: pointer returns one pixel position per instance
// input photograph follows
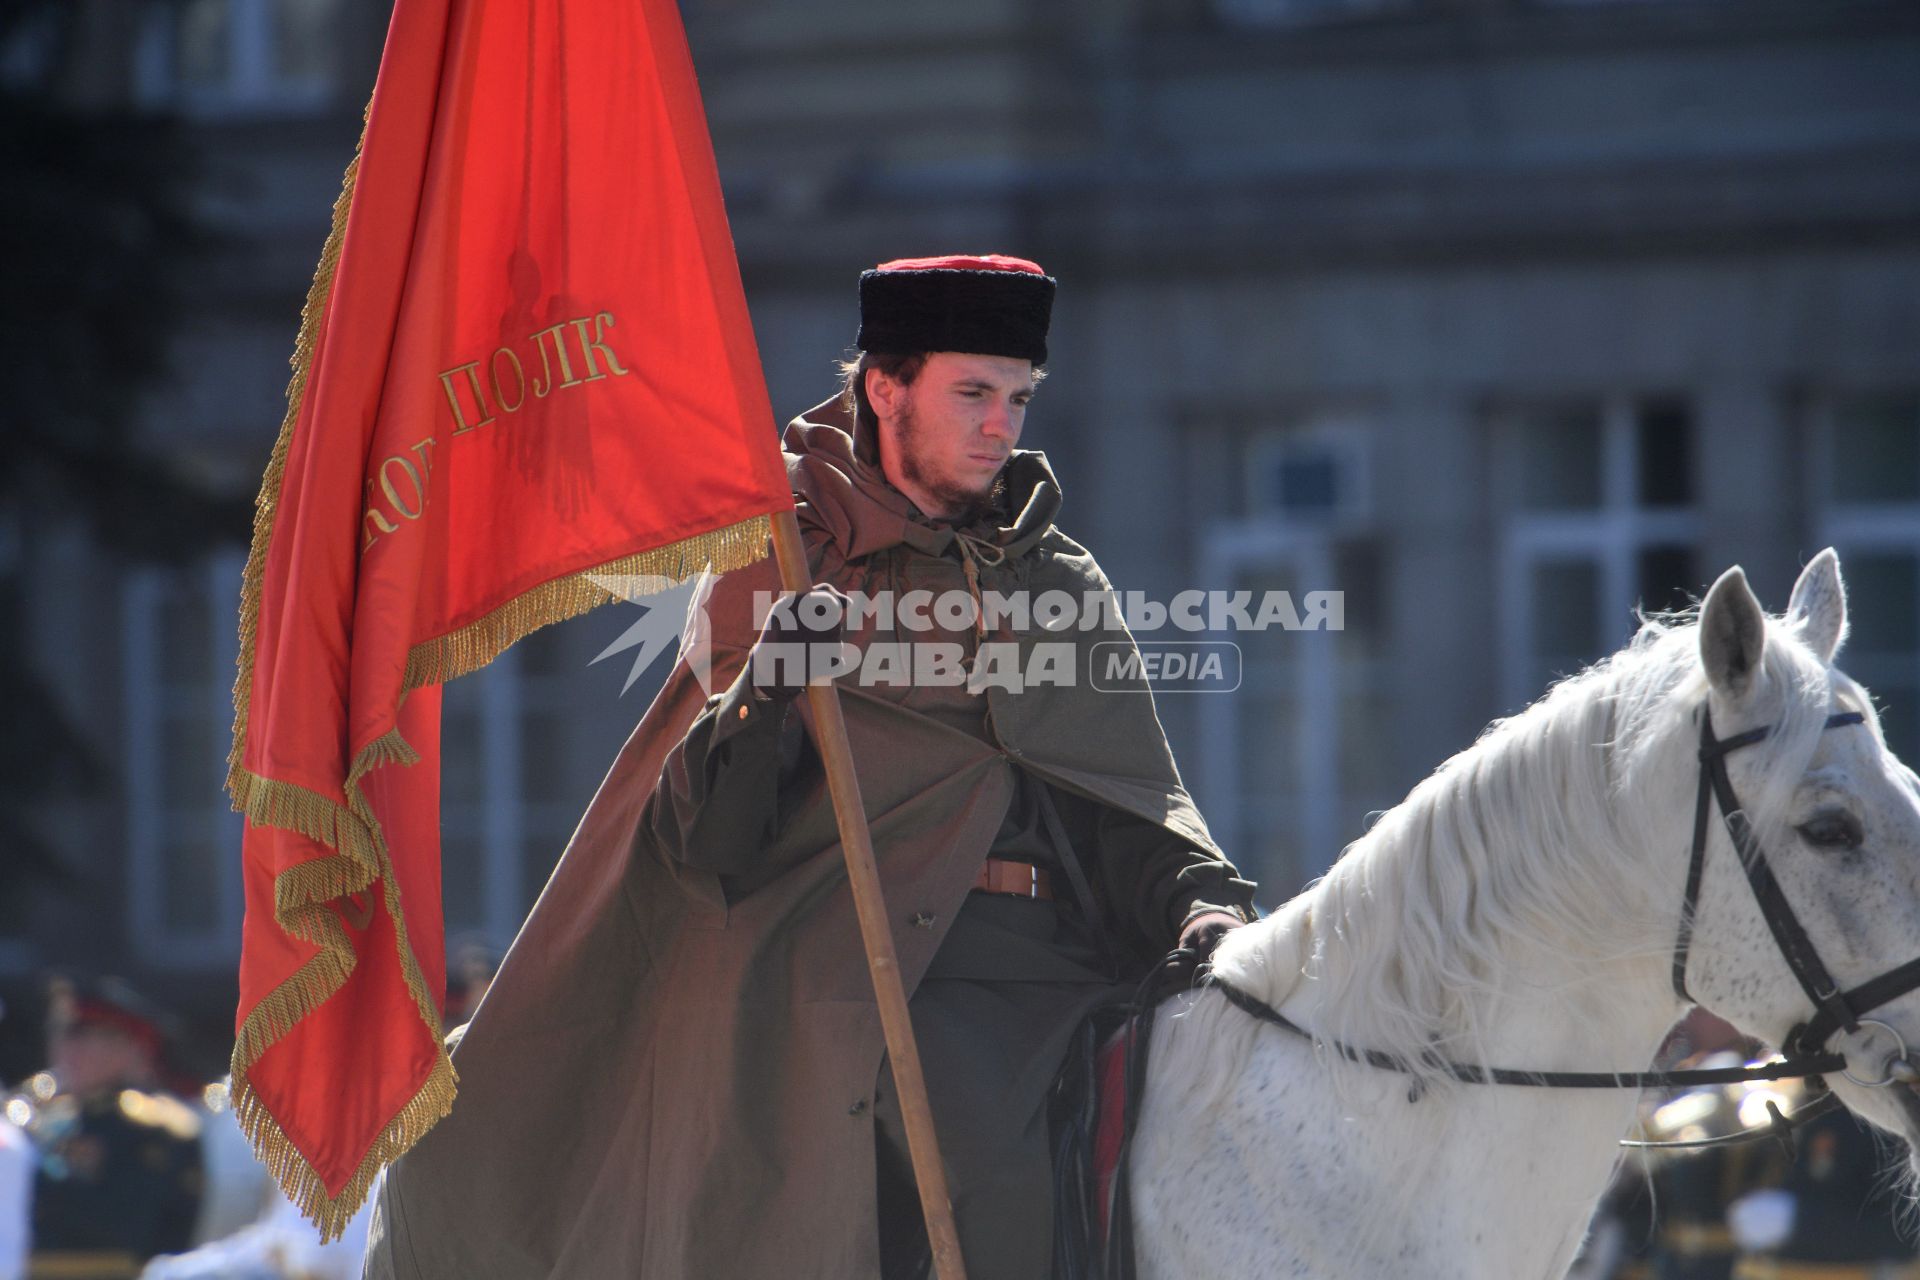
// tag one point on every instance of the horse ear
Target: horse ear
(1733, 633)
(1819, 605)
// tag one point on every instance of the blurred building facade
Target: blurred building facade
(1497, 316)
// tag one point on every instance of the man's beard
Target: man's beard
(966, 505)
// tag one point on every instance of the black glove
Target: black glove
(797, 646)
(1202, 933)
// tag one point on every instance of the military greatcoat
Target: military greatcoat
(674, 1073)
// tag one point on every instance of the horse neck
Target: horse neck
(1590, 999)
(1516, 907)
(1548, 1009)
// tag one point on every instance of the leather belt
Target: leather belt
(1021, 879)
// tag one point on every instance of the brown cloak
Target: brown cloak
(672, 1075)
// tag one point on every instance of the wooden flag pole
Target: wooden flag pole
(882, 961)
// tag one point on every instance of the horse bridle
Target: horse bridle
(1805, 1052)
(1834, 1010)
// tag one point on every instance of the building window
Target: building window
(1866, 501)
(508, 802)
(479, 804)
(218, 57)
(507, 805)
(1315, 475)
(1294, 758)
(1599, 496)
(183, 839)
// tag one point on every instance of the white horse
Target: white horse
(1519, 910)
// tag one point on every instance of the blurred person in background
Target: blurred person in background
(280, 1245)
(471, 964)
(1834, 1214)
(1619, 1243)
(1665, 1215)
(118, 1168)
(274, 1241)
(248, 1230)
(16, 1191)
(236, 1188)
(1692, 1189)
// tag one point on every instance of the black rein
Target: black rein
(1466, 1073)
(1806, 1053)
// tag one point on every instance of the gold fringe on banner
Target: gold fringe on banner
(296, 808)
(266, 505)
(303, 894)
(478, 643)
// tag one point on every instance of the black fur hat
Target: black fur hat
(986, 305)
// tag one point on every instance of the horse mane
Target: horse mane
(1520, 838)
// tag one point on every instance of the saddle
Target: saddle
(1095, 1101)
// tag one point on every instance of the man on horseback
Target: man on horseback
(730, 1112)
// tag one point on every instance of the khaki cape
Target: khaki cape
(671, 1075)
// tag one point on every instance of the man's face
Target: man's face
(90, 1058)
(945, 437)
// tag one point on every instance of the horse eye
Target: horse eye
(1832, 831)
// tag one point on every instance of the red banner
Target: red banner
(525, 358)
